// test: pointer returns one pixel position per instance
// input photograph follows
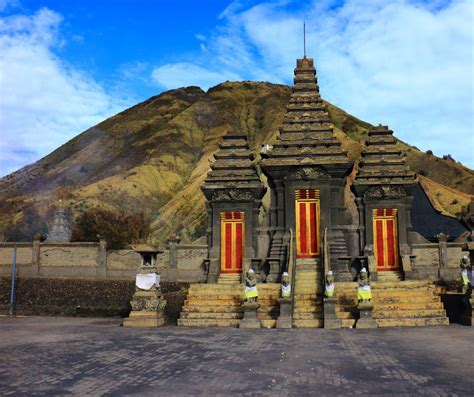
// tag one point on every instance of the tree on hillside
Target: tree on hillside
(25, 228)
(119, 229)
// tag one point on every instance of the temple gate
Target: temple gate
(307, 223)
(386, 239)
(233, 241)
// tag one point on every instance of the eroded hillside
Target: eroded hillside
(155, 155)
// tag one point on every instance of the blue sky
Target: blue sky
(66, 65)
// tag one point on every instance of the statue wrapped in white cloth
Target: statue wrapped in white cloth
(250, 288)
(146, 281)
(329, 285)
(285, 285)
(364, 293)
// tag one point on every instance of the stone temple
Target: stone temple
(308, 228)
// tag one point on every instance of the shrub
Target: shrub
(118, 228)
(25, 228)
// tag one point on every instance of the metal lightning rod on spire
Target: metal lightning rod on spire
(304, 37)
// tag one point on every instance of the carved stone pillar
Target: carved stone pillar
(102, 259)
(173, 258)
(36, 254)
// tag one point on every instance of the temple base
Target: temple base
(144, 319)
(147, 309)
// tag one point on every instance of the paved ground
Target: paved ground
(73, 356)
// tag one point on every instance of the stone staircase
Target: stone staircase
(269, 308)
(337, 246)
(346, 306)
(230, 278)
(389, 277)
(212, 305)
(396, 304)
(308, 295)
(407, 304)
(219, 305)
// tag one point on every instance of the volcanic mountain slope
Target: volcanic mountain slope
(155, 156)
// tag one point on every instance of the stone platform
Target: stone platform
(54, 356)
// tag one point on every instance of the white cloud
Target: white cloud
(44, 102)
(186, 74)
(406, 64)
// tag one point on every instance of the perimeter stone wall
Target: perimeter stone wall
(94, 261)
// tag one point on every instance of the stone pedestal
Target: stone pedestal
(274, 271)
(147, 310)
(285, 319)
(330, 318)
(250, 319)
(365, 316)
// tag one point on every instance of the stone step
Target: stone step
(348, 323)
(212, 302)
(309, 291)
(389, 276)
(307, 281)
(382, 300)
(308, 273)
(229, 279)
(209, 315)
(308, 316)
(208, 322)
(344, 285)
(307, 267)
(404, 291)
(212, 309)
(220, 288)
(412, 322)
(205, 296)
(344, 315)
(268, 323)
(307, 303)
(308, 296)
(435, 304)
(232, 288)
(313, 323)
(263, 316)
(377, 313)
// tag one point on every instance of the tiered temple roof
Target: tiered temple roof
(234, 167)
(382, 162)
(307, 136)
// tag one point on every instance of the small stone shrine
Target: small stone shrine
(148, 303)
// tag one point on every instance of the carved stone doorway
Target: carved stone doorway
(307, 209)
(386, 239)
(232, 241)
